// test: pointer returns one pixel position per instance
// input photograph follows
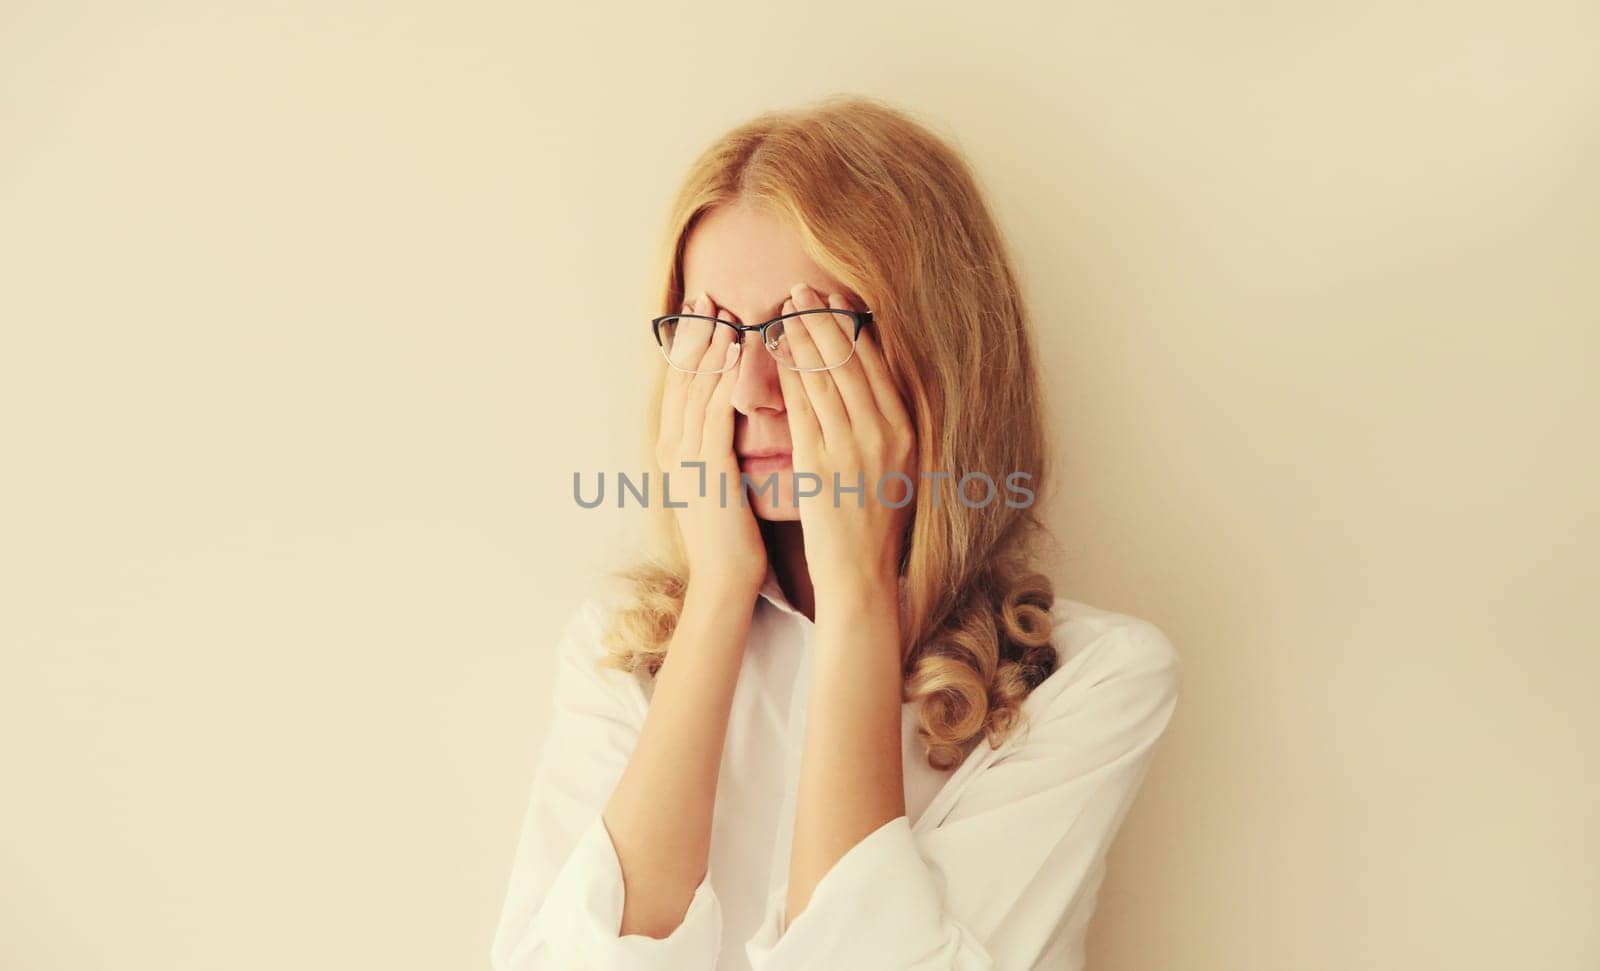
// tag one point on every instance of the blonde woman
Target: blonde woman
(841, 723)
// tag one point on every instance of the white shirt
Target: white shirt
(995, 866)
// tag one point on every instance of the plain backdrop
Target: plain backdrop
(311, 310)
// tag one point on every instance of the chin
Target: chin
(767, 512)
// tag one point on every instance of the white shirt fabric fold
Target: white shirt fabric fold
(995, 866)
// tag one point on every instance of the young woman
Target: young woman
(840, 727)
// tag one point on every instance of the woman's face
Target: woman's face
(747, 261)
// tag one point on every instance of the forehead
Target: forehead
(747, 259)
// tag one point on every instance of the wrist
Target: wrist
(853, 594)
(722, 591)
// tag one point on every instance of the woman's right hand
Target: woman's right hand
(722, 539)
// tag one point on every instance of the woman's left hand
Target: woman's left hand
(848, 421)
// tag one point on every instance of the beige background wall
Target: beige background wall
(310, 313)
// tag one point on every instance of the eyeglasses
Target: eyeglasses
(689, 341)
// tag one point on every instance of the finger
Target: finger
(884, 389)
(802, 346)
(691, 337)
(674, 385)
(804, 430)
(717, 355)
(718, 439)
(824, 398)
(832, 335)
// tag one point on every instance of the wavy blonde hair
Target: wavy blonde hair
(894, 213)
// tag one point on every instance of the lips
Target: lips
(766, 460)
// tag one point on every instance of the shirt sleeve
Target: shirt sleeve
(563, 907)
(994, 878)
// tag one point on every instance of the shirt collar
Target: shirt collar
(773, 592)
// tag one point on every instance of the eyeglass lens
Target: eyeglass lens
(700, 345)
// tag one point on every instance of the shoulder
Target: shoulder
(582, 646)
(1101, 651)
(1110, 639)
(583, 628)
(586, 620)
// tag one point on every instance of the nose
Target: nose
(756, 387)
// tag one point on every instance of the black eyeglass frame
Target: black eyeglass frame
(861, 317)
